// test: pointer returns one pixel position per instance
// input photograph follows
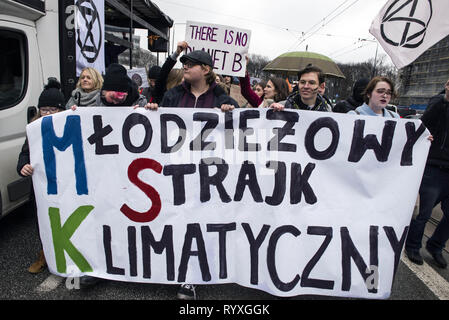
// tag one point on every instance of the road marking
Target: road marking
(49, 284)
(432, 279)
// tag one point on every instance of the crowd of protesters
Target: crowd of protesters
(196, 85)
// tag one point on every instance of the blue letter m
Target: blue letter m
(71, 137)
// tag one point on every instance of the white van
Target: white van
(37, 41)
(22, 74)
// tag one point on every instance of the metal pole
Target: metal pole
(375, 60)
(131, 36)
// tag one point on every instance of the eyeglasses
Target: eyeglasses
(310, 82)
(384, 91)
(189, 64)
(48, 110)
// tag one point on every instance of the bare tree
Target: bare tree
(256, 63)
(342, 88)
(141, 58)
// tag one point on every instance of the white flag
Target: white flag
(89, 35)
(407, 28)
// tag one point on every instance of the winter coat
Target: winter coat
(248, 93)
(347, 105)
(354, 101)
(365, 110)
(24, 157)
(180, 96)
(294, 102)
(436, 119)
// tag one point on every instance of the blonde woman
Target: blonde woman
(87, 89)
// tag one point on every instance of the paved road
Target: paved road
(19, 244)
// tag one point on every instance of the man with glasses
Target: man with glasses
(434, 187)
(199, 89)
(307, 97)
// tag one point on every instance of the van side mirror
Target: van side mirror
(31, 113)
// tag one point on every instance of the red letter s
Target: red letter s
(134, 168)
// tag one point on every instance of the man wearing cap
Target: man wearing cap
(199, 89)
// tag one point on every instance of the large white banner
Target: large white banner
(292, 203)
(89, 25)
(226, 44)
(407, 28)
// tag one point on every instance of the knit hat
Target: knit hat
(52, 95)
(154, 72)
(116, 79)
(198, 56)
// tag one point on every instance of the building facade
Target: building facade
(425, 77)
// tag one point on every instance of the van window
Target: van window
(12, 68)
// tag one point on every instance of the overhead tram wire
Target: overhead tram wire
(316, 24)
(232, 16)
(352, 50)
(326, 23)
(290, 30)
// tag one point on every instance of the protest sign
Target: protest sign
(292, 202)
(139, 76)
(227, 45)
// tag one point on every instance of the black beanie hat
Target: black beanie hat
(116, 79)
(52, 95)
(154, 72)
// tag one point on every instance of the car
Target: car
(413, 116)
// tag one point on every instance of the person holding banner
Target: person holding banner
(87, 89)
(119, 90)
(51, 101)
(306, 97)
(377, 96)
(434, 187)
(199, 89)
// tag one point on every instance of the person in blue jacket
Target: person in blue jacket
(377, 96)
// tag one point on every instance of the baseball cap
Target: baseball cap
(198, 56)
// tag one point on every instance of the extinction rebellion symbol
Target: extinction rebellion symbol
(89, 35)
(405, 22)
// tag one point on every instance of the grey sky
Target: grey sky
(277, 25)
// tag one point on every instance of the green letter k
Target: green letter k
(62, 235)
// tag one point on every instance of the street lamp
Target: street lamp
(375, 57)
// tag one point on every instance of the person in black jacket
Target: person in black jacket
(199, 89)
(354, 101)
(161, 82)
(51, 101)
(153, 74)
(434, 185)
